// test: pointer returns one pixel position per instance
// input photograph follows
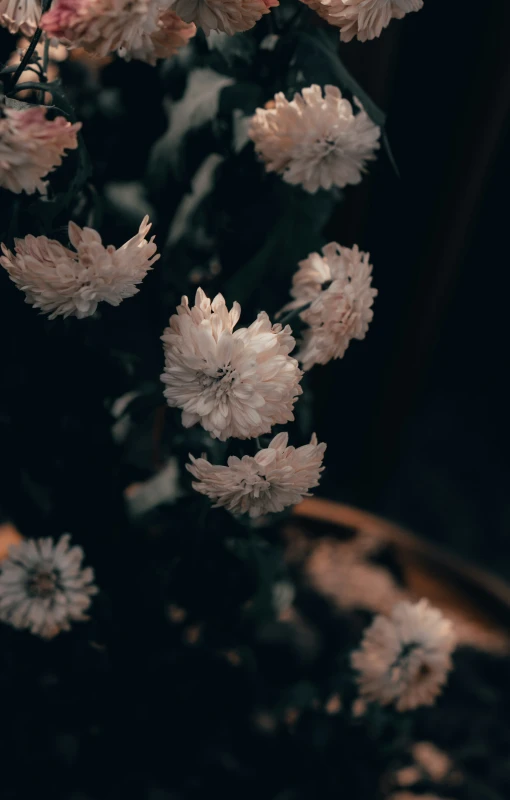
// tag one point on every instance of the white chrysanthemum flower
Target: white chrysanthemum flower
(337, 287)
(277, 477)
(235, 383)
(141, 29)
(20, 15)
(314, 140)
(363, 19)
(405, 658)
(43, 586)
(31, 146)
(65, 283)
(228, 16)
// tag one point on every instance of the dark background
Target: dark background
(416, 415)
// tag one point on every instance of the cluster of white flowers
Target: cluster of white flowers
(236, 383)
(336, 293)
(31, 146)
(142, 29)
(405, 658)
(277, 477)
(43, 586)
(228, 16)
(65, 283)
(20, 15)
(362, 19)
(315, 140)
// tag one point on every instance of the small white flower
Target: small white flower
(363, 19)
(229, 16)
(314, 140)
(235, 383)
(31, 146)
(20, 15)
(277, 477)
(337, 288)
(65, 283)
(141, 29)
(43, 586)
(405, 658)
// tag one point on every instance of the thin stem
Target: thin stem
(294, 313)
(26, 59)
(30, 50)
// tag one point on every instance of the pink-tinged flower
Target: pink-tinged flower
(277, 477)
(236, 383)
(405, 658)
(20, 15)
(363, 19)
(314, 140)
(43, 586)
(228, 16)
(31, 146)
(337, 290)
(141, 29)
(65, 283)
(172, 34)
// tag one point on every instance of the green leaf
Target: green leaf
(235, 50)
(295, 234)
(320, 45)
(198, 108)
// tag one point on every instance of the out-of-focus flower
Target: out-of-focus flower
(412, 796)
(405, 658)
(172, 34)
(31, 146)
(337, 288)
(65, 283)
(277, 477)
(141, 29)
(235, 383)
(363, 19)
(20, 15)
(43, 586)
(284, 594)
(229, 16)
(435, 763)
(315, 140)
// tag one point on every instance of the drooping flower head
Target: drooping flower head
(315, 140)
(43, 586)
(20, 15)
(363, 19)
(229, 16)
(141, 29)
(338, 288)
(405, 658)
(31, 146)
(65, 283)
(277, 477)
(236, 383)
